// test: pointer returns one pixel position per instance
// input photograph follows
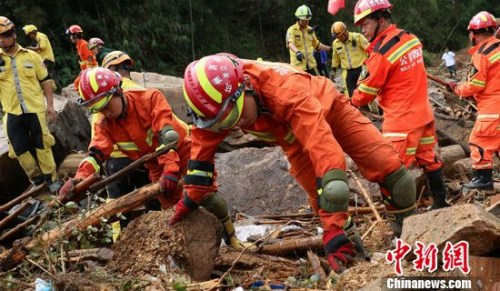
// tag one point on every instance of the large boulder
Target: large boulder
(468, 222)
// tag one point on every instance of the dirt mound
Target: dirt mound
(149, 246)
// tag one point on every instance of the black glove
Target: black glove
(300, 56)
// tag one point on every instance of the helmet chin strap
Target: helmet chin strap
(376, 30)
(123, 114)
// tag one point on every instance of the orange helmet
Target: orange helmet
(482, 20)
(93, 42)
(214, 90)
(74, 29)
(115, 58)
(364, 8)
(5, 24)
(97, 86)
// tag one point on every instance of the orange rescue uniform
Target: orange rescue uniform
(483, 85)
(147, 113)
(313, 123)
(395, 74)
(87, 59)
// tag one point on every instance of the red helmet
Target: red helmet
(482, 20)
(74, 29)
(97, 86)
(214, 90)
(364, 8)
(93, 42)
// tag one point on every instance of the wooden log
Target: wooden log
(28, 194)
(452, 153)
(78, 190)
(451, 139)
(14, 214)
(314, 243)
(128, 202)
(352, 211)
(19, 227)
(132, 166)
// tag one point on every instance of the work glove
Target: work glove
(339, 250)
(181, 210)
(299, 55)
(66, 190)
(451, 86)
(168, 184)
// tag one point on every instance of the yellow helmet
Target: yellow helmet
(115, 58)
(338, 28)
(29, 28)
(5, 24)
(303, 13)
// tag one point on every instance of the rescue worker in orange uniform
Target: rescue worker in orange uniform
(395, 74)
(139, 121)
(86, 57)
(483, 84)
(314, 124)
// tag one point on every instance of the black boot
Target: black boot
(438, 189)
(482, 180)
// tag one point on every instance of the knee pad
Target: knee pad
(401, 187)
(216, 205)
(334, 194)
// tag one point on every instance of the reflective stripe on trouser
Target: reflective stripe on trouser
(484, 141)
(29, 135)
(417, 146)
(360, 139)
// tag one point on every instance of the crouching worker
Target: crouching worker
(315, 126)
(139, 121)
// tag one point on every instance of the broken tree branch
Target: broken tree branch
(366, 196)
(132, 166)
(13, 257)
(28, 194)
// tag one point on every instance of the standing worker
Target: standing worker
(315, 126)
(86, 57)
(483, 84)
(42, 47)
(396, 76)
(449, 61)
(348, 53)
(96, 45)
(23, 83)
(301, 40)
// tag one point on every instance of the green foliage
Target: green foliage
(162, 37)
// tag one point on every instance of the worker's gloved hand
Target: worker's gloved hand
(181, 210)
(168, 184)
(66, 190)
(299, 55)
(339, 250)
(451, 86)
